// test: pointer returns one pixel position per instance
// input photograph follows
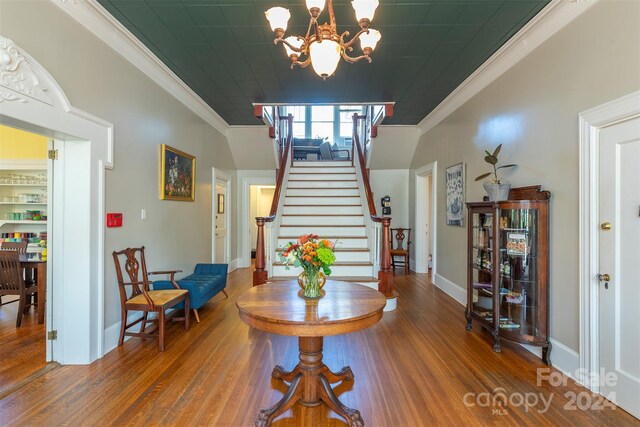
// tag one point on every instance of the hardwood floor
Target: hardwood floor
(22, 350)
(413, 368)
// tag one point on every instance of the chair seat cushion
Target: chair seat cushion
(159, 298)
(398, 252)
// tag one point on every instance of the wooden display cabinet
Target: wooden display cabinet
(508, 268)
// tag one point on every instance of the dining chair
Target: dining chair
(143, 298)
(20, 247)
(401, 250)
(12, 282)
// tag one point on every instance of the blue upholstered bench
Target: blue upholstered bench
(205, 283)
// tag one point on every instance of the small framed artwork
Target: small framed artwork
(455, 194)
(177, 175)
(220, 203)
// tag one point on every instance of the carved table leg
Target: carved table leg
(351, 416)
(344, 374)
(280, 374)
(292, 395)
(310, 385)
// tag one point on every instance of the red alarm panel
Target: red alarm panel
(114, 220)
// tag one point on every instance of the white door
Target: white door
(221, 212)
(619, 258)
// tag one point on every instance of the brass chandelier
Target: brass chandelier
(322, 47)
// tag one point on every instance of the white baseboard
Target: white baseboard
(562, 357)
(456, 292)
(243, 262)
(233, 265)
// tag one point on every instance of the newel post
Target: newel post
(259, 274)
(384, 275)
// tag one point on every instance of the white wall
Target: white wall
(251, 147)
(533, 110)
(98, 80)
(395, 184)
(393, 148)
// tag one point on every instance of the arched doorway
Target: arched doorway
(30, 99)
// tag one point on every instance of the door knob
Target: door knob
(604, 278)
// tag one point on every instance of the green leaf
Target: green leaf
(327, 270)
(297, 263)
(492, 160)
(483, 176)
(507, 166)
(497, 151)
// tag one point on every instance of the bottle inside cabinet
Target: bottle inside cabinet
(508, 273)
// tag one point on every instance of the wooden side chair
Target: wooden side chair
(400, 249)
(142, 298)
(12, 282)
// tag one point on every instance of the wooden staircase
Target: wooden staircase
(323, 198)
(332, 199)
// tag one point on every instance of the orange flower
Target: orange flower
(303, 239)
(308, 257)
(326, 243)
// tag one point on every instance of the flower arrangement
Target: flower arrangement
(312, 254)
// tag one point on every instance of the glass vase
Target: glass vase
(312, 281)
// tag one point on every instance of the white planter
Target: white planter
(497, 192)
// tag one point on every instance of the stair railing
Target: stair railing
(267, 226)
(379, 227)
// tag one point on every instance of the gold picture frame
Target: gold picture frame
(177, 175)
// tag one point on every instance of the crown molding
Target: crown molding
(95, 18)
(555, 16)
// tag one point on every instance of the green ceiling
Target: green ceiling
(223, 49)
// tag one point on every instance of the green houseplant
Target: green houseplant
(496, 188)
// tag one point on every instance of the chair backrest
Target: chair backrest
(399, 235)
(325, 151)
(20, 247)
(11, 281)
(135, 268)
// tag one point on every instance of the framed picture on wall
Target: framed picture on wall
(455, 194)
(177, 175)
(220, 203)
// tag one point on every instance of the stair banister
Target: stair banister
(260, 274)
(382, 240)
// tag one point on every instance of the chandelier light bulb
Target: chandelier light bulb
(316, 6)
(365, 10)
(324, 57)
(295, 42)
(278, 18)
(369, 41)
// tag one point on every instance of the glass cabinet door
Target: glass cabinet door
(482, 265)
(518, 271)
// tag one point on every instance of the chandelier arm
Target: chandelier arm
(293, 48)
(356, 59)
(332, 16)
(311, 24)
(354, 39)
(301, 64)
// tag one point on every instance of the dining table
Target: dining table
(280, 308)
(39, 269)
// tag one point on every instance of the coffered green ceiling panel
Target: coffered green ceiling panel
(223, 49)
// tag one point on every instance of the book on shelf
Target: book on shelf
(517, 244)
(508, 324)
(514, 298)
(482, 285)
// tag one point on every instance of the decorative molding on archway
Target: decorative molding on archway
(18, 79)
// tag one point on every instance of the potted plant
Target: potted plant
(496, 188)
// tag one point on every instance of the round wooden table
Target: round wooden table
(277, 308)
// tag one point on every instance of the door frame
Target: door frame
(590, 123)
(218, 174)
(244, 258)
(421, 264)
(38, 104)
